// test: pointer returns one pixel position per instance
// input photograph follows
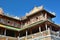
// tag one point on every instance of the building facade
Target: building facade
(36, 25)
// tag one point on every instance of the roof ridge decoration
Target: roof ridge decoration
(53, 13)
(35, 9)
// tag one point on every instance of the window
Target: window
(15, 24)
(4, 21)
(8, 22)
(36, 17)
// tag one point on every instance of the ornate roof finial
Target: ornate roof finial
(1, 11)
(41, 7)
(26, 13)
(35, 6)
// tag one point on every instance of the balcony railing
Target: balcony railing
(37, 22)
(40, 34)
(32, 36)
(2, 37)
(55, 33)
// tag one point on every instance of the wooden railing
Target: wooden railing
(55, 33)
(43, 33)
(32, 36)
(2, 37)
(40, 34)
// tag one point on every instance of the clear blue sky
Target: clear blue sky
(20, 7)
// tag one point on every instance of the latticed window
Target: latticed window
(8, 21)
(3, 21)
(36, 17)
(16, 24)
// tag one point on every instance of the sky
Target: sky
(21, 7)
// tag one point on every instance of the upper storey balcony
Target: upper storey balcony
(44, 35)
(41, 35)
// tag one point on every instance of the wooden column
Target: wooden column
(49, 31)
(45, 16)
(18, 36)
(39, 29)
(50, 28)
(26, 35)
(59, 32)
(5, 32)
(46, 26)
